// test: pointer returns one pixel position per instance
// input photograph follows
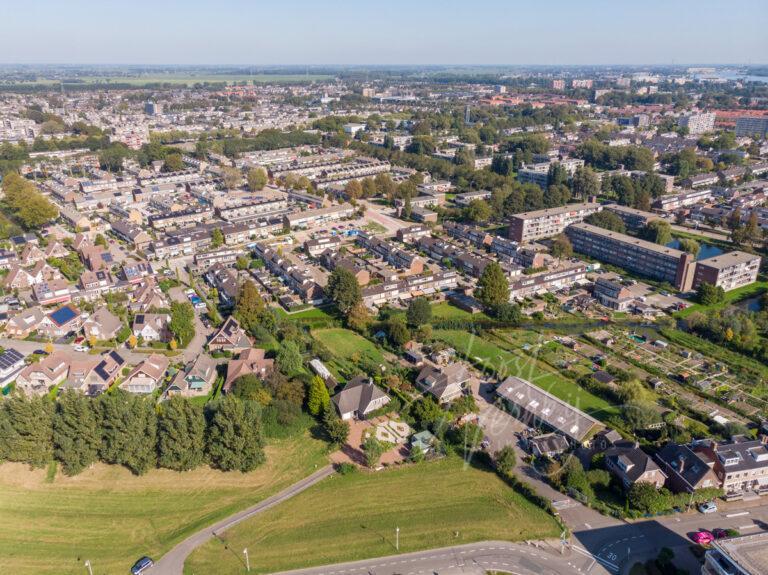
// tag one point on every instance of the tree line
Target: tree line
(120, 428)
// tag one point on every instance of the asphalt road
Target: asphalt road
(195, 346)
(172, 563)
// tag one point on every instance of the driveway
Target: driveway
(202, 333)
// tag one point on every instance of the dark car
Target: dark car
(141, 565)
(40, 352)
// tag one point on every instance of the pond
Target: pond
(751, 304)
(705, 251)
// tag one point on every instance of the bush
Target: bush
(346, 468)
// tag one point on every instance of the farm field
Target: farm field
(354, 517)
(111, 517)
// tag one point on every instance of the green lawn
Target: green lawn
(351, 517)
(504, 363)
(112, 518)
(445, 310)
(731, 297)
(345, 344)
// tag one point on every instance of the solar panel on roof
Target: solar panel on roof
(63, 315)
(9, 357)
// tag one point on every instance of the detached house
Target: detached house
(104, 374)
(11, 364)
(631, 465)
(197, 380)
(31, 254)
(686, 470)
(152, 326)
(230, 337)
(61, 322)
(103, 325)
(444, 383)
(38, 378)
(147, 376)
(18, 278)
(147, 296)
(25, 322)
(52, 292)
(359, 398)
(250, 361)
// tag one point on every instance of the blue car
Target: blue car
(141, 565)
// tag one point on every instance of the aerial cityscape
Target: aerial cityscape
(428, 289)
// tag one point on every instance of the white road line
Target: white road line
(738, 514)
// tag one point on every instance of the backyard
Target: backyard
(111, 517)
(347, 345)
(502, 363)
(354, 516)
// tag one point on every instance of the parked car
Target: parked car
(708, 507)
(40, 352)
(141, 565)
(703, 537)
(81, 348)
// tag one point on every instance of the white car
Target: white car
(708, 507)
(81, 348)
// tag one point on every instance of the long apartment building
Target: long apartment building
(633, 218)
(318, 216)
(675, 201)
(729, 270)
(413, 286)
(635, 255)
(531, 226)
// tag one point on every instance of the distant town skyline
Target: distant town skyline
(236, 32)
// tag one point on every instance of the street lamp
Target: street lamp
(88, 566)
(397, 538)
(247, 560)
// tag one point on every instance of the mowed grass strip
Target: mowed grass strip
(344, 343)
(352, 517)
(503, 363)
(112, 518)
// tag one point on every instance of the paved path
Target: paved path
(195, 346)
(475, 558)
(172, 563)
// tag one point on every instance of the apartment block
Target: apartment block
(633, 219)
(728, 271)
(752, 126)
(697, 123)
(318, 216)
(531, 226)
(635, 255)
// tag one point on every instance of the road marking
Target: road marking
(738, 514)
(750, 526)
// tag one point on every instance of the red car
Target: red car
(703, 537)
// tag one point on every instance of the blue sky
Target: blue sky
(384, 32)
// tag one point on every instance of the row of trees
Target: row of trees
(125, 429)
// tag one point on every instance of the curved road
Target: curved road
(172, 563)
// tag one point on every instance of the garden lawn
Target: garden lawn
(503, 363)
(111, 517)
(344, 344)
(351, 517)
(444, 310)
(731, 297)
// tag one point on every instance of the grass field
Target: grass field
(504, 363)
(445, 310)
(344, 344)
(731, 297)
(351, 517)
(110, 517)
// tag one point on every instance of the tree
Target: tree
(608, 221)
(561, 247)
(658, 231)
(690, 246)
(257, 179)
(505, 460)
(129, 431)
(398, 332)
(289, 358)
(217, 238)
(182, 324)
(318, 399)
(344, 289)
(644, 497)
(478, 211)
(28, 205)
(336, 428)
(419, 312)
(173, 163)
(250, 306)
(710, 294)
(250, 388)
(493, 286)
(76, 432)
(585, 183)
(354, 190)
(373, 450)
(358, 318)
(181, 435)
(231, 177)
(234, 439)
(132, 341)
(26, 429)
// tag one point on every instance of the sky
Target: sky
(383, 32)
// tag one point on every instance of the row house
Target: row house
(296, 278)
(472, 234)
(252, 210)
(413, 286)
(396, 257)
(181, 218)
(240, 233)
